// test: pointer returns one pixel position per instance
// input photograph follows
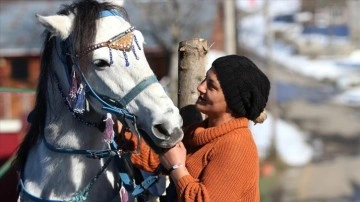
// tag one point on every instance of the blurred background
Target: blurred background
(310, 49)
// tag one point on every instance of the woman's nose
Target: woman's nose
(202, 87)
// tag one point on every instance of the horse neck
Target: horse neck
(62, 128)
(50, 173)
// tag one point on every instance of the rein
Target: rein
(122, 42)
(76, 197)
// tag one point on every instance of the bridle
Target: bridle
(121, 42)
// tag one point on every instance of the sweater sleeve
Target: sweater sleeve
(146, 159)
(231, 173)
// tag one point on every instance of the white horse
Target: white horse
(93, 71)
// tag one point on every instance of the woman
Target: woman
(218, 160)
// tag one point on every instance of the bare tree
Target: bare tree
(170, 21)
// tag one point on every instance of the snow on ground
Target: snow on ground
(276, 6)
(252, 36)
(289, 140)
(350, 97)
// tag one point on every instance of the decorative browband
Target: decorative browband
(122, 41)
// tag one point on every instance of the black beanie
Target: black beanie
(246, 88)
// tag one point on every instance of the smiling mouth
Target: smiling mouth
(200, 100)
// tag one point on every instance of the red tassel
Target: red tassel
(109, 129)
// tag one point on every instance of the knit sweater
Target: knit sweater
(222, 162)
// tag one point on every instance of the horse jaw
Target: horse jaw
(58, 25)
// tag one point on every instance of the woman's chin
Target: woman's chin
(199, 106)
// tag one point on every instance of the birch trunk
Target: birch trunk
(191, 71)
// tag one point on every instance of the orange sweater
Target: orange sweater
(222, 162)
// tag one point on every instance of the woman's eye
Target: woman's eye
(101, 63)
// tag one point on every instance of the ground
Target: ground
(334, 133)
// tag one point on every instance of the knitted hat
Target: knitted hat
(246, 88)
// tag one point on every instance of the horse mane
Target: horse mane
(86, 13)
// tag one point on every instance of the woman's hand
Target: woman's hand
(175, 156)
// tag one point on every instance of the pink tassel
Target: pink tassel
(73, 89)
(124, 195)
(109, 130)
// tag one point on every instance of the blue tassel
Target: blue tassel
(111, 56)
(80, 102)
(133, 50)
(126, 59)
(73, 89)
(137, 43)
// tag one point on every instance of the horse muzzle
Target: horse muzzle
(161, 139)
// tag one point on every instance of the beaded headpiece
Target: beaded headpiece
(122, 42)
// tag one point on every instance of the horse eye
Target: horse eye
(101, 63)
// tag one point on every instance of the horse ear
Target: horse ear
(59, 25)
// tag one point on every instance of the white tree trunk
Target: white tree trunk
(191, 71)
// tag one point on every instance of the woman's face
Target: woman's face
(211, 100)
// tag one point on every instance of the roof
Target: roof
(20, 33)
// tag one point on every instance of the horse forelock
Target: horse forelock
(84, 32)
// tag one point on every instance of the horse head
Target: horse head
(111, 67)
(93, 68)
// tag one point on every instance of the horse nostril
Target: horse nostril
(159, 128)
